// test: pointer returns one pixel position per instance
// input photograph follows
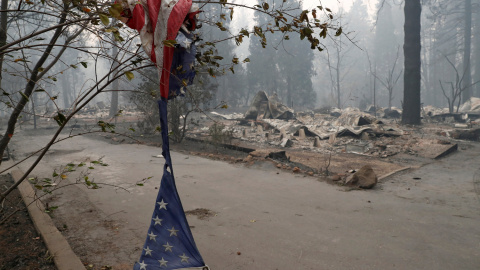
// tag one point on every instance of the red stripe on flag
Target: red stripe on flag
(175, 20)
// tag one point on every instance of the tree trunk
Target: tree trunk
(339, 104)
(477, 51)
(412, 74)
(289, 92)
(467, 76)
(66, 93)
(12, 121)
(115, 86)
(433, 66)
(3, 33)
(390, 98)
(375, 91)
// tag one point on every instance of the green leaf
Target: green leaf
(246, 60)
(115, 10)
(129, 75)
(117, 36)
(55, 174)
(339, 32)
(104, 19)
(323, 34)
(140, 184)
(245, 32)
(304, 16)
(84, 64)
(60, 118)
(47, 180)
(307, 31)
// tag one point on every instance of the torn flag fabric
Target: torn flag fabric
(182, 70)
(169, 243)
(158, 21)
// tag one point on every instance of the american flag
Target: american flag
(169, 243)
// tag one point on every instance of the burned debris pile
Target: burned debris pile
(270, 124)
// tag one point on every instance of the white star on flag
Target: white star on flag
(163, 205)
(173, 231)
(162, 262)
(184, 258)
(168, 247)
(143, 265)
(157, 221)
(148, 251)
(152, 236)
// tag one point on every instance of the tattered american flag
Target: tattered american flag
(158, 21)
(169, 243)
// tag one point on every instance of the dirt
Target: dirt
(201, 213)
(21, 246)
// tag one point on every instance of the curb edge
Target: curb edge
(59, 248)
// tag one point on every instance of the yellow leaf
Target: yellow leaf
(63, 176)
(169, 43)
(129, 75)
